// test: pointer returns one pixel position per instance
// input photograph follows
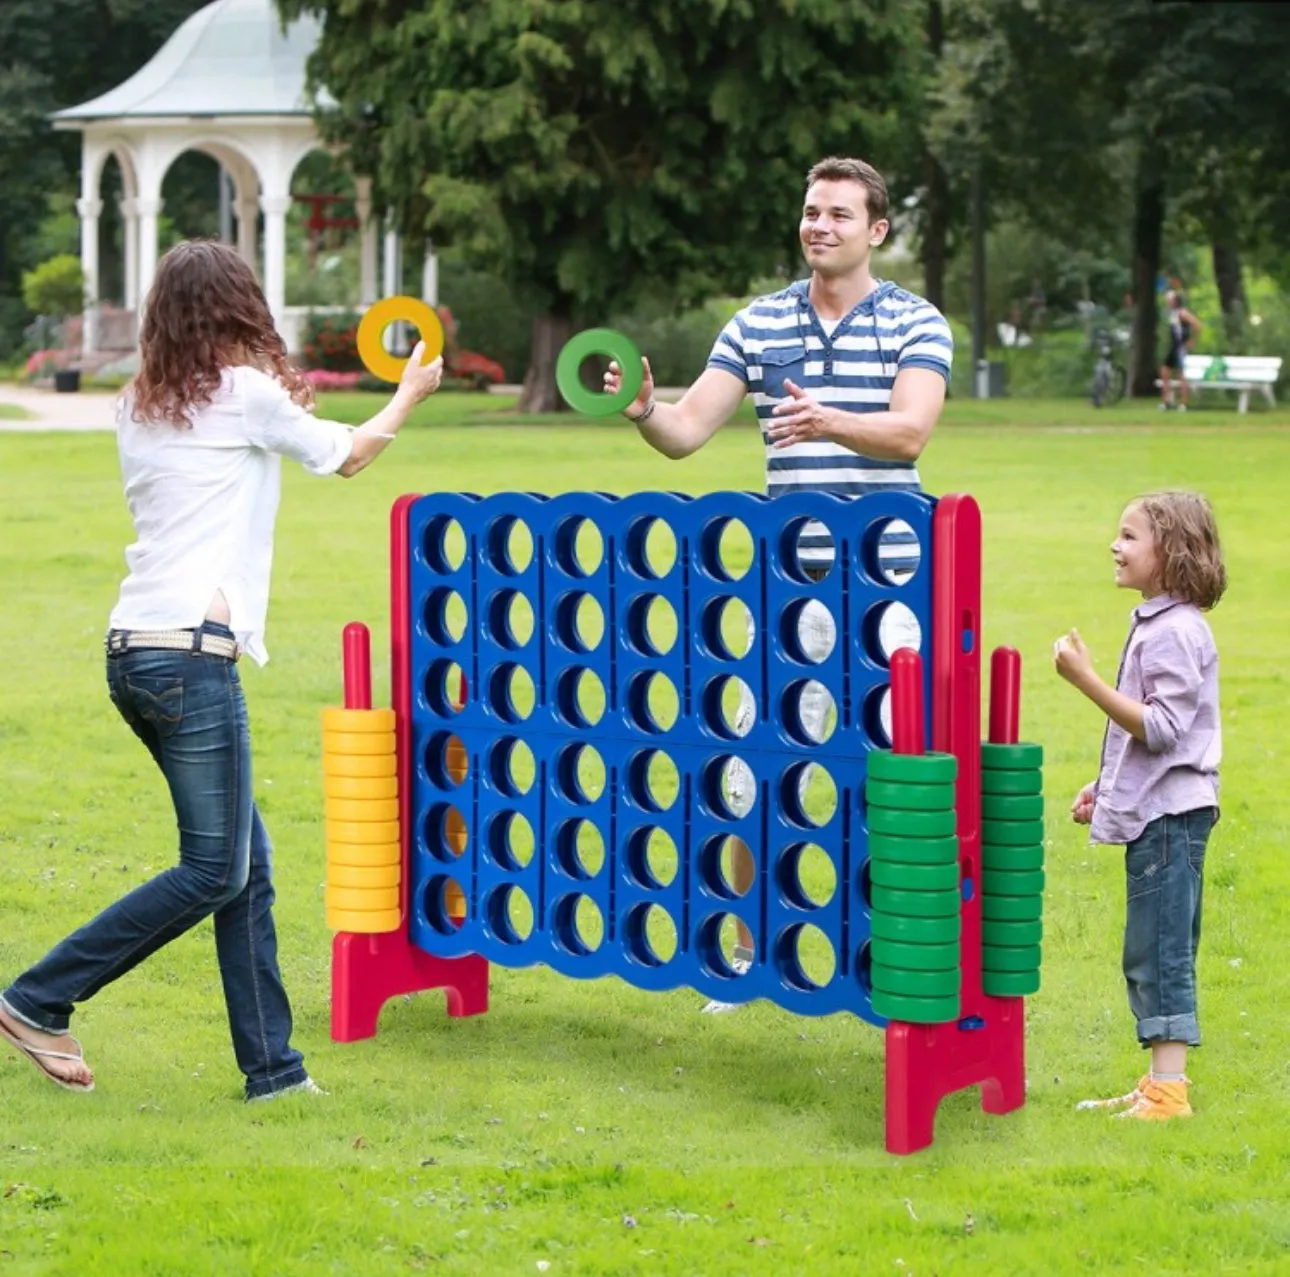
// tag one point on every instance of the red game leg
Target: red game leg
(986, 1046)
(368, 970)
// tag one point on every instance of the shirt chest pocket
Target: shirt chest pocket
(780, 364)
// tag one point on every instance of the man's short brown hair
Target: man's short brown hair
(836, 168)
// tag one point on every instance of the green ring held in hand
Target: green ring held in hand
(599, 341)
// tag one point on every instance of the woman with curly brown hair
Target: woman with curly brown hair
(201, 433)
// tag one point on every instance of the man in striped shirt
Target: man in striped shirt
(848, 377)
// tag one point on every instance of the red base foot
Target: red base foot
(367, 971)
(926, 1062)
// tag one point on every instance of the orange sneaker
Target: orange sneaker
(1159, 1102)
(1118, 1101)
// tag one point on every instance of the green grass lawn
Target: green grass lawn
(587, 1128)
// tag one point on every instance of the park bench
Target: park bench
(1242, 373)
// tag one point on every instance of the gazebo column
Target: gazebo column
(89, 209)
(430, 277)
(275, 256)
(130, 234)
(368, 240)
(394, 334)
(149, 210)
(248, 212)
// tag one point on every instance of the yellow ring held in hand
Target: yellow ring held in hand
(378, 317)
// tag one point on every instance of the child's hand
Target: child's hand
(1072, 658)
(1082, 807)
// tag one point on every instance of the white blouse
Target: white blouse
(204, 501)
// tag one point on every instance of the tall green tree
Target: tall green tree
(596, 151)
(55, 53)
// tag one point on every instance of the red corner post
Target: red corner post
(368, 970)
(986, 1046)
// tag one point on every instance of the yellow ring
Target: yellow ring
(364, 743)
(359, 766)
(363, 855)
(365, 921)
(371, 328)
(367, 788)
(364, 899)
(361, 809)
(367, 876)
(335, 719)
(365, 833)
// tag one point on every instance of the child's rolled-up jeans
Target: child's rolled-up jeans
(1165, 871)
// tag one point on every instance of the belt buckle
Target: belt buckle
(118, 641)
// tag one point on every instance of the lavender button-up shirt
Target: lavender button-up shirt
(1170, 665)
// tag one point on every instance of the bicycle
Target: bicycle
(1109, 377)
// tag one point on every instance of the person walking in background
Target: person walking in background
(1183, 327)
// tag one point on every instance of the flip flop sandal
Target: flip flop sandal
(37, 1055)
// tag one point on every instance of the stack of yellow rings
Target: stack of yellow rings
(361, 808)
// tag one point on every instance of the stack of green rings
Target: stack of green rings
(914, 886)
(1012, 868)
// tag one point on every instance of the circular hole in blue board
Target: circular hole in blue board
(651, 857)
(652, 701)
(579, 774)
(577, 924)
(809, 712)
(806, 957)
(510, 619)
(728, 787)
(876, 715)
(443, 688)
(510, 840)
(445, 832)
(805, 551)
(446, 760)
(511, 692)
(715, 942)
(650, 547)
(509, 545)
(807, 876)
(887, 627)
(510, 914)
(445, 616)
(726, 867)
(650, 935)
(444, 544)
(808, 795)
(439, 891)
(511, 767)
(578, 546)
(579, 621)
(580, 848)
(864, 967)
(726, 549)
(727, 628)
(651, 625)
(653, 780)
(580, 697)
(890, 553)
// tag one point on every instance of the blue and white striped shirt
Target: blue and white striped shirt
(851, 366)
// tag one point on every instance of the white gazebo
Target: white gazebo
(230, 82)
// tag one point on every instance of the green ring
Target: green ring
(899, 796)
(914, 851)
(1011, 908)
(1012, 833)
(912, 769)
(912, 956)
(892, 873)
(1012, 882)
(599, 341)
(911, 824)
(1011, 935)
(915, 904)
(914, 1010)
(1009, 984)
(1012, 807)
(916, 984)
(1030, 781)
(996, 957)
(1024, 756)
(906, 930)
(995, 857)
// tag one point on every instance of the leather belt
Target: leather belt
(198, 642)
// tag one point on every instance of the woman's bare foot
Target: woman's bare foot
(57, 1056)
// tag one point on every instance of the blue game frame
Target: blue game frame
(487, 725)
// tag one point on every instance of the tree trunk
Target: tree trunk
(936, 232)
(1148, 223)
(540, 394)
(1231, 291)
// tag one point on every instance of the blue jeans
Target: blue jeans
(189, 711)
(1165, 871)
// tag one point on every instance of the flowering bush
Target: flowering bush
(325, 379)
(331, 343)
(44, 363)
